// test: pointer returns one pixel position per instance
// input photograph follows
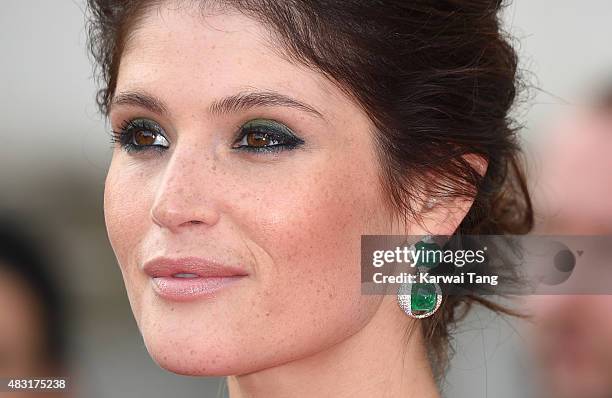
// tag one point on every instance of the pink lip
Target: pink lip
(208, 277)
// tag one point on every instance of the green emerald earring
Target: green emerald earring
(420, 300)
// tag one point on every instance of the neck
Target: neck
(380, 360)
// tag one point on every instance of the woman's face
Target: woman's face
(239, 243)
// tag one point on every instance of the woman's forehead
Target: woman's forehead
(186, 55)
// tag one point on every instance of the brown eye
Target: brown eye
(144, 138)
(265, 136)
(141, 134)
(257, 140)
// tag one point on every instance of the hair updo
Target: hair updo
(436, 77)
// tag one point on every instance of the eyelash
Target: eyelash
(272, 130)
(128, 128)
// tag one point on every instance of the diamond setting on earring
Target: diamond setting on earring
(419, 300)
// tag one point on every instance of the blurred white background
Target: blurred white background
(55, 149)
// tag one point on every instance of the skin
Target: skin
(572, 334)
(573, 347)
(22, 341)
(298, 324)
(581, 137)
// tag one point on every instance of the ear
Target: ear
(442, 215)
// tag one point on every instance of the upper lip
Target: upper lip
(164, 266)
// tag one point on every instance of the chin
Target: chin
(192, 338)
(191, 347)
(190, 367)
(184, 358)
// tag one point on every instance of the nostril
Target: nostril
(172, 214)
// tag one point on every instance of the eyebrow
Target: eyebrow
(232, 104)
(251, 99)
(140, 99)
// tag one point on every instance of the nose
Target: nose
(184, 195)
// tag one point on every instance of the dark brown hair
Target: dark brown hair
(436, 77)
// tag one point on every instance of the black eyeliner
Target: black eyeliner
(129, 127)
(274, 130)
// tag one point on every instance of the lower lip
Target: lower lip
(186, 289)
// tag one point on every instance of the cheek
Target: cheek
(127, 200)
(309, 238)
(120, 211)
(319, 220)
